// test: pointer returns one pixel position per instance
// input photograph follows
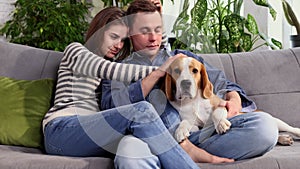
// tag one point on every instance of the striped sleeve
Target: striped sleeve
(164, 41)
(80, 60)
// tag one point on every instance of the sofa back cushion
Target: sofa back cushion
(28, 63)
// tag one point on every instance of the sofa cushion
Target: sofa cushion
(16, 157)
(29, 63)
(22, 107)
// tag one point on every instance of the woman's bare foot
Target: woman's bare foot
(200, 155)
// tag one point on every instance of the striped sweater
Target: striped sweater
(80, 73)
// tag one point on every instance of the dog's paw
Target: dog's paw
(183, 131)
(286, 140)
(219, 118)
(222, 126)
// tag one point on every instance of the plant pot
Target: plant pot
(295, 39)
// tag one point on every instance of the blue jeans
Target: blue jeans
(99, 134)
(135, 153)
(251, 134)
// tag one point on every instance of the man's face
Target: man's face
(146, 33)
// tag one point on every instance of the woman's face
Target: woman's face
(113, 40)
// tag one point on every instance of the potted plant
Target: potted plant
(293, 21)
(215, 26)
(47, 24)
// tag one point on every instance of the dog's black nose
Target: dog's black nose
(185, 84)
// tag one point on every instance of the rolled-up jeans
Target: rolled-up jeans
(99, 134)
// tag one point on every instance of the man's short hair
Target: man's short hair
(140, 6)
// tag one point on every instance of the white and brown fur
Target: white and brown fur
(189, 90)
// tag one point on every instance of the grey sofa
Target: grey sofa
(270, 78)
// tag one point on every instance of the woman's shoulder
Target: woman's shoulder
(74, 46)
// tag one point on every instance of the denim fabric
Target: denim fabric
(135, 153)
(99, 134)
(250, 135)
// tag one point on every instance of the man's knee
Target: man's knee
(267, 130)
(133, 147)
(142, 112)
(135, 153)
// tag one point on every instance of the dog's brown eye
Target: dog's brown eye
(177, 71)
(195, 70)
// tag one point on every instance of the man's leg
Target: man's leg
(251, 134)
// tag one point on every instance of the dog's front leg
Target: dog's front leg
(219, 117)
(183, 130)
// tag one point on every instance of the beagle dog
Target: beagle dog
(189, 90)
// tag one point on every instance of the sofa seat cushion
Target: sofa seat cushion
(22, 108)
(281, 157)
(32, 158)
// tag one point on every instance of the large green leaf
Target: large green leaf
(247, 43)
(251, 25)
(198, 12)
(235, 26)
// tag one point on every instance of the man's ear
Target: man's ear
(206, 85)
(169, 86)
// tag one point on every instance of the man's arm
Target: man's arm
(116, 93)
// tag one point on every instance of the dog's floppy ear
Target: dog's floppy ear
(168, 86)
(206, 86)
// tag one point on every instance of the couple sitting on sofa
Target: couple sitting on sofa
(78, 125)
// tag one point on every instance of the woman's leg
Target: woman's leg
(99, 134)
(251, 134)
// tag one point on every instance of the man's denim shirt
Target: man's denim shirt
(116, 94)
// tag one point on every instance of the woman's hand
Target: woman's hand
(158, 4)
(149, 81)
(164, 68)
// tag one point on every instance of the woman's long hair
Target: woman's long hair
(100, 23)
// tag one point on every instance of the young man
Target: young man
(145, 27)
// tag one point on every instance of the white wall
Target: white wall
(6, 6)
(278, 29)
(170, 14)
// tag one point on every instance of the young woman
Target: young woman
(76, 126)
